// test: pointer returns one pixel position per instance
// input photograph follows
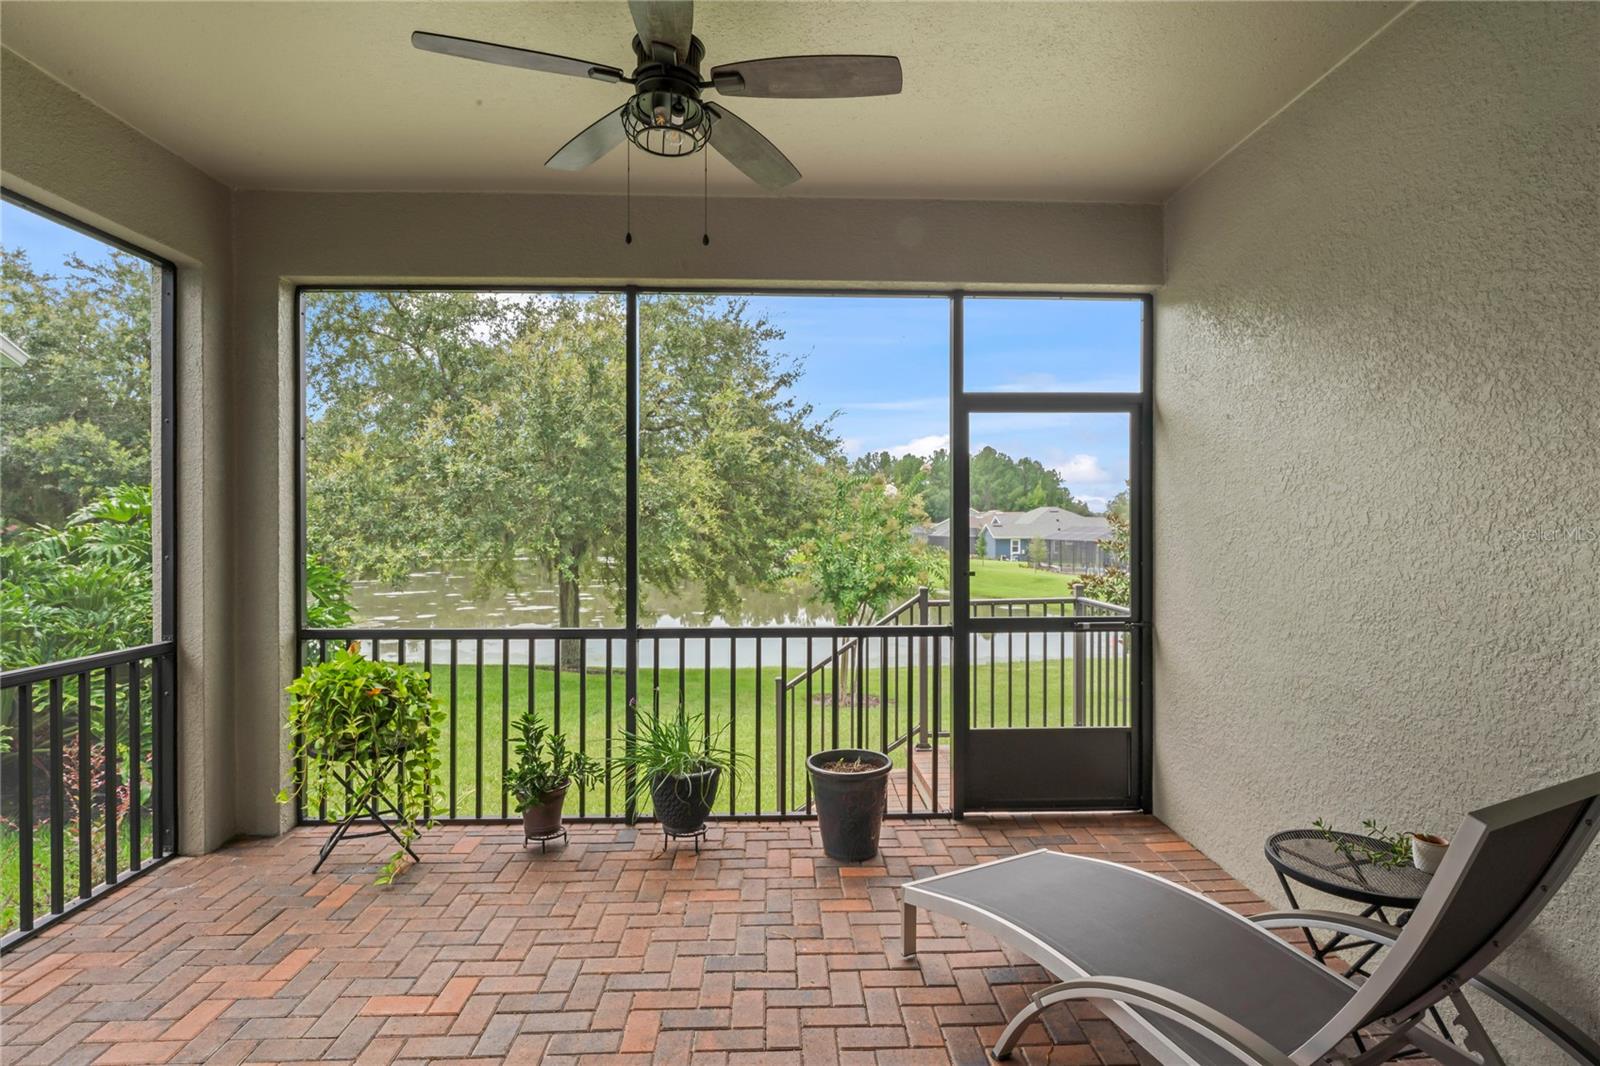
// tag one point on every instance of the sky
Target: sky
(47, 242)
(882, 364)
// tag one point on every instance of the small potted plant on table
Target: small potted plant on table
(850, 787)
(372, 728)
(545, 769)
(678, 763)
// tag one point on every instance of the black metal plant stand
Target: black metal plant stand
(544, 839)
(362, 781)
(673, 834)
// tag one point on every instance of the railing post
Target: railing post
(780, 705)
(1079, 652)
(922, 671)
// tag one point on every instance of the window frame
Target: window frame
(161, 652)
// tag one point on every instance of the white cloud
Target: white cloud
(1082, 469)
(925, 446)
(1097, 504)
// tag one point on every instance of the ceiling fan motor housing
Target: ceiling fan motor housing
(665, 117)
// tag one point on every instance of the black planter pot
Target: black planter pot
(683, 802)
(850, 805)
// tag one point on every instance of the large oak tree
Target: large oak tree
(486, 432)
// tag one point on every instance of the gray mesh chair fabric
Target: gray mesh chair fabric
(1109, 919)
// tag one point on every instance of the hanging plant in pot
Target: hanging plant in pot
(678, 763)
(850, 787)
(545, 769)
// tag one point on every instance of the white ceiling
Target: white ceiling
(1025, 101)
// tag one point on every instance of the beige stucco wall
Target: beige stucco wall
(1378, 456)
(284, 238)
(60, 150)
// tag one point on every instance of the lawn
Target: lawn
(994, 579)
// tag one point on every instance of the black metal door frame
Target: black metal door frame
(1138, 406)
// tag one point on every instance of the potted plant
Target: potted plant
(1427, 851)
(372, 726)
(850, 788)
(544, 770)
(678, 764)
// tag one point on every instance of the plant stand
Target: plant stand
(544, 839)
(672, 834)
(366, 795)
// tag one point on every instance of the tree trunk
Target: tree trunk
(571, 650)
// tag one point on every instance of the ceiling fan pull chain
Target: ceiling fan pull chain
(628, 200)
(705, 198)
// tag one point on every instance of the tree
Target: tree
(489, 432)
(862, 556)
(80, 588)
(77, 413)
(1038, 551)
(1114, 584)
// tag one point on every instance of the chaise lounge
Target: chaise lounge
(1192, 982)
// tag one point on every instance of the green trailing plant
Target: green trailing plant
(359, 716)
(1391, 849)
(328, 603)
(677, 746)
(545, 764)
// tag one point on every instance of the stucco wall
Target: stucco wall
(60, 150)
(1378, 456)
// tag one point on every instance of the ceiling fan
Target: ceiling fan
(665, 115)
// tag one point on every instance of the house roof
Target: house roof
(1049, 523)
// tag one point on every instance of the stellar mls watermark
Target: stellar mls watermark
(1552, 536)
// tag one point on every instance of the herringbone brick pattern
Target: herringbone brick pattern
(757, 950)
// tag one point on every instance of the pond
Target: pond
(440, 599)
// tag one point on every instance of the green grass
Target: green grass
(10, 855)
(1002, 579)
(1018, 691)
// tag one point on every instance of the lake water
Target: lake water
(442, 600)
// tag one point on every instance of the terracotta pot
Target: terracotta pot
(543, 818)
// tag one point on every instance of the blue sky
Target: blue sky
(883, 364)
(47, 242)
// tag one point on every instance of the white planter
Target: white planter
(1427, 852)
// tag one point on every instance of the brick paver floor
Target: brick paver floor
(757, 950)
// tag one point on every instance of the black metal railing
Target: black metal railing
(732, 680)
(772, 695)
(87, 781)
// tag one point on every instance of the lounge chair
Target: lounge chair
(1192, 982)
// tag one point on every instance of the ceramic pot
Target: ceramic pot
(1427, 851)
(683, 802)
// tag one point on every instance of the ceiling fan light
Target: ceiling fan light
(666, 124)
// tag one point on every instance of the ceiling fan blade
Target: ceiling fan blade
(668, 22)
(743, 145)
(587, 147)
(809, 77)
(507, 56)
